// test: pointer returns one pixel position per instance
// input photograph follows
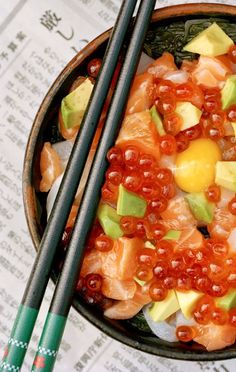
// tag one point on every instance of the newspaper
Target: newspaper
(37, 39)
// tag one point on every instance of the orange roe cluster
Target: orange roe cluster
(138, 173)
(210, 269)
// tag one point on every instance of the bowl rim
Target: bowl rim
(29, 200)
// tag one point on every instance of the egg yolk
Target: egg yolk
(195, 167)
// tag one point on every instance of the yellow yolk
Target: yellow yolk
(195, 167)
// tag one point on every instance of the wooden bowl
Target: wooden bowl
(42, 130)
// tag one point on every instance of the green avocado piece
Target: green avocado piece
(226, 174)
(74, 104)
(211, 42)
(228, 93)
(109, 220)
(228, 301)
(172, 235)
(189, 114)
(130, 204)
(161, 310)
(157, 120)
(187, 301)
(200, 207)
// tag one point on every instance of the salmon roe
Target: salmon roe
(209, 269)
(185, 333)
(103, 243)
(213, 193)
(172, 123)
(231, 113)
(168, 144)
(94, 66)
(232, 206)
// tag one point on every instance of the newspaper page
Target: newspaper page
(37, 39)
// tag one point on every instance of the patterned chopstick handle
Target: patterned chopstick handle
(49, 343)
(17, 345)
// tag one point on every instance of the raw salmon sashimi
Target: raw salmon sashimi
(215, 337)
(120, 262)
(118, 289)
(188, 66)
(142, 93)
(210, 72)
(189, 239)
(222, 224)
(117, 267)
(50, 167)
(92, 263)
(139, 130)
(178, 216)
(162, 65)
(128, 308)
(197, 97)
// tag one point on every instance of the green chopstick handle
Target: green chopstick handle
(18, 343)
(49, 343)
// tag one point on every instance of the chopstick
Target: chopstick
(28, 310)
(66, 285)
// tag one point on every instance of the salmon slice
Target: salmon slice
(139, 130)
(210, 72)
(197, 98)
(72, 216)
(188, 66)
(190, 238)
(50, 167)
(118, 289)
(215, 337)
(142, 93)
(162, 65)
(121, 261)
(222, 224)
(92, 263)
(226, 61)
(128, 308)
(178, 216)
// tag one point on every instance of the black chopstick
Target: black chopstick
(66, 285)
(36, 286)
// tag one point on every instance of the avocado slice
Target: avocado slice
(201, 208)
(161, 310)
(172, 235)
(211, 42)
(157, 120)
(228, 301)
(74, 104)
(189, 114)
(130, 204)
(228, 93)
(187, 301)
(109, 220)
(226, 174)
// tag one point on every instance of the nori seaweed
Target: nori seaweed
(172, 37)
(139, 323)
